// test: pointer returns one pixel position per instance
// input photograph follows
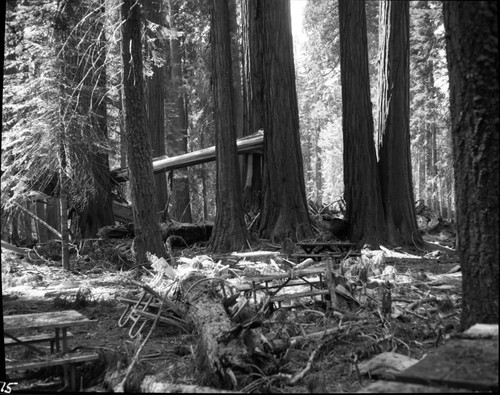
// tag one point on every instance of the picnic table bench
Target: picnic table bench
(59, 322)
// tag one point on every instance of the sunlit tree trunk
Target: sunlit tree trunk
(285, 211)
(472, 51)
(142, 187)
(229, 232)
(362, 194)
(394, 125)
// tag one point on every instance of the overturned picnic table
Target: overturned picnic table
(58, 321)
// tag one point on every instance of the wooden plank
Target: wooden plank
(277, 276)
(122, 213)
(163, 164)
(256, 254)
(64, 360)
(382, 386)
(293, 283)
(461, 363)
(281, 298)
(56, 319)
(33, 339)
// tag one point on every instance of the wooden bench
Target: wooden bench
(50, 361)
(51, 337)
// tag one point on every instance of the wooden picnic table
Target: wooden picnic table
(60, 322)
(321, 247)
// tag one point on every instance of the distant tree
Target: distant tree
(430, 127)
(142, 188)
(178, 119)
(229, 232)
(472, 51)
(155, 100)
(284, 211)
(394, 125)
(362, 193)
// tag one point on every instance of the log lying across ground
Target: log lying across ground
(222, 352)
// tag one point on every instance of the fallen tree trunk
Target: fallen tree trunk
(225, 349)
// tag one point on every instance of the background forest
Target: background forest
(360, 136)
(62, 66)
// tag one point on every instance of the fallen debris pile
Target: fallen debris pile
(264, 323)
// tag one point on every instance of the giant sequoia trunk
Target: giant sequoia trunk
(253, 100)
(362, 189)
(284, 212)
(155, 97)
(394, 125)
(229, 232)
(472, 50)
(147, 228)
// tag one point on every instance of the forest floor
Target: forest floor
(425, 310)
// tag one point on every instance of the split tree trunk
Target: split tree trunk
(362, 194)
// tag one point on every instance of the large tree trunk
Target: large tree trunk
(236, 69)
(394, 125)
(155, 97)
(147, 228)
(229, 233)
(472, 50)
(362, 194)
(177, 138)
(284, 212)
(253, 100)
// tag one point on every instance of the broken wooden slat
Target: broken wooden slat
(50, 361)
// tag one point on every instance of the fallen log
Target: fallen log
(224, 351)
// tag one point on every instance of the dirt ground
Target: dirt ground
(425, 310)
